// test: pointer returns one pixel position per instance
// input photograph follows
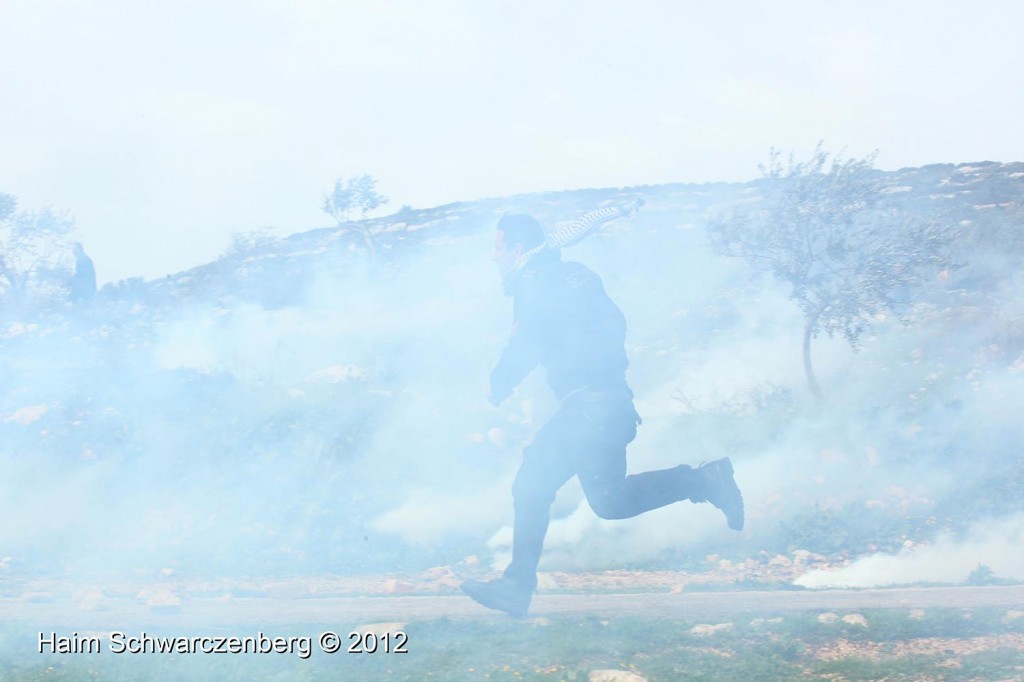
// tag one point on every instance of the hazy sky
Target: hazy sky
(163, 127)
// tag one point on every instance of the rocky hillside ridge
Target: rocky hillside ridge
(938, 189)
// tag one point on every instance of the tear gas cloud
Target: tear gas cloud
(345, 428)
(995, 545)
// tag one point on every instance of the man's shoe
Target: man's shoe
(503, 594)
(718, 486)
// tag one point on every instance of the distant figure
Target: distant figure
(565, 322)
(83, 282)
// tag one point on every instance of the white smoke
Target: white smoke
(995, 543)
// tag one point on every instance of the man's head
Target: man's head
(517, 233)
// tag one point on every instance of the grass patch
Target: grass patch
(993, 665)
(856, 669)
(749, 648)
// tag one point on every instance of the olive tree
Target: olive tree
(823, 227)
(34, 250)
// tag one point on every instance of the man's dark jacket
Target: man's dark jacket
(565, 322)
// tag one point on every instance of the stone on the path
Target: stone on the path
(614, 676)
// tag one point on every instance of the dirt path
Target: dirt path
(121, 613)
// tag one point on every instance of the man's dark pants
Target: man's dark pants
(587, 437)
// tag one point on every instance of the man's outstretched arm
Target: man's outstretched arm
(517, 360)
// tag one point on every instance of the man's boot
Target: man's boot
(503, 594)
(715, 484)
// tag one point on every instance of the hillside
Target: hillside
(303, 408)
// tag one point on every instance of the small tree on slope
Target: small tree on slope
(359, 193)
